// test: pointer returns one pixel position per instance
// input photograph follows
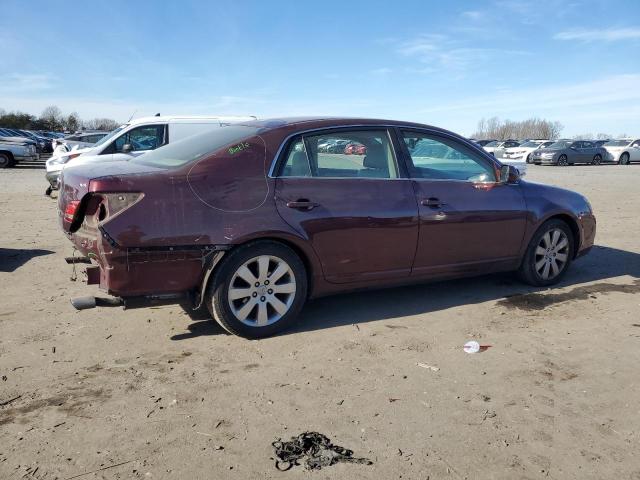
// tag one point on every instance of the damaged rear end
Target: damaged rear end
(104, 211)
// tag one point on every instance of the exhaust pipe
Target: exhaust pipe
(85, 303)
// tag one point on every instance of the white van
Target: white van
(136, 138)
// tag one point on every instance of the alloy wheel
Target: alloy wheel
(562, 161)
(262, 290)
(552, 254)
(597, 159)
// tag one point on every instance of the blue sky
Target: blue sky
(444, 63)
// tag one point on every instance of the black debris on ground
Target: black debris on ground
(317, 451)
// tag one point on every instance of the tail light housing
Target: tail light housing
(70, 210)
(115, 203)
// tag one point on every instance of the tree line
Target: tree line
(496, 129)
(52, 119)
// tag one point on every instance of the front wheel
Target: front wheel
(548, 255)
(5, 161)
(562, 161)
(529, 160)
(258, 290)
(624, 159)
(597, 160)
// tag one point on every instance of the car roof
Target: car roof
(179, 118)
(312, 123)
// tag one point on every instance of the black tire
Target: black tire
(562, 161)
(528, 272)
(624, 159)
(529, 160)
(597, 159)
(6, 161)
(217, 293)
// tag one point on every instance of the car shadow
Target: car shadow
(600, 265)
(11, 259)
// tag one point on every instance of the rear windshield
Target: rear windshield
(560, 144)
(195, 147)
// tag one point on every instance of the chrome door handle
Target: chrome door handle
(303, 204)
(432, 202)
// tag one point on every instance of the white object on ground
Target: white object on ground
(472, 347)
(430, 367)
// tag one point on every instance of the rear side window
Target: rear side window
(348, 154)
(438, 158)
(199, 146)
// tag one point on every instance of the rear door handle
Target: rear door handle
(432, 202)
(303, 204)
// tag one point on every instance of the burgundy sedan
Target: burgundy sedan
(253, 219)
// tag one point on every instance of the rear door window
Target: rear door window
(345, 154)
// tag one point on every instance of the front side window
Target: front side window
(439, 158)
(148, 137)
(350, 154)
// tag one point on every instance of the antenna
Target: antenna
(134, 112)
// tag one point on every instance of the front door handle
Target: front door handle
(303, 204)
(432, 202)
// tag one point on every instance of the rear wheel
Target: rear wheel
(597, 159)
(624, 159)
(529, 160)
(548, 255)
(5, 161)
(258, 290)
(562, 161)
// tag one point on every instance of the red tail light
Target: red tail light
(70, 210)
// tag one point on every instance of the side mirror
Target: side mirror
(509, 174)
(127, 148)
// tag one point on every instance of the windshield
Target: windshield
(195, 147)
(559, 144)
(492, 144)
(617, 143)
(529, 144)
(110, 136)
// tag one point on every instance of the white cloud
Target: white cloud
(473, 14)
(26, 82)
(443, 52)
(602, 35)
(381, 71)
(605, 104)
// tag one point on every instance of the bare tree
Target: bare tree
(72, 122)
(494, 128)
(52, 117)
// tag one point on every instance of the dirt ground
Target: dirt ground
(153, 393)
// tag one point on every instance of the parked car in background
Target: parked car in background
(7, 135)
(482, 143)
(600, 143)
(569, 152)
(253, 219)
(497, 148)
(83, 140)
(623, 151)
(136, 138)
(522, 153)
(12, 152)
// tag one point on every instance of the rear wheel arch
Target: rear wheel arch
(310, 262)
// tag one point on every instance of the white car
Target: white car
(623, 151)
(522, 153)
(136, 138)
(84, 140)
(498, 147)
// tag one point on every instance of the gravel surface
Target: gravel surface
(155, 393)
